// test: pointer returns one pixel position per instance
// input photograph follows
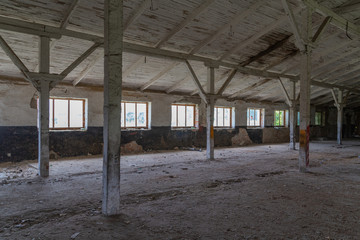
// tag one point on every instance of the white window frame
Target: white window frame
(177, 119)
(123, 113)
(261, 121)
(52, 114)
(216, 117)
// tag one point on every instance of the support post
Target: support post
(210, 113)
(340, 110)
(305, 83)
(43, 112)
(293, 118)
(113, 10)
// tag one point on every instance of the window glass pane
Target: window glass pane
(252, 117)
(220, 117)
(173, 115)
(248, 117)
(51, 113)
(281, 118)
(141, 115)
(257, 117)
(227, 117)
(276, 118)
(298, 118)
(76, 114)
(216, 117)
(61, 113)
(122, 115)
(190, 116)
(130, 115)
(181, 116)
(317, 118)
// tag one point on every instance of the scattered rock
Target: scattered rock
(74, 235)
(241, 139)
(53, 155)
(131, 147)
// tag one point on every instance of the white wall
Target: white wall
(15, 106)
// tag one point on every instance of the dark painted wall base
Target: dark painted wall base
(20, 143)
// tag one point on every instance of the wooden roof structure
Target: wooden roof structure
(254, 43)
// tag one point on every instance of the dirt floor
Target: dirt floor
(253, 192)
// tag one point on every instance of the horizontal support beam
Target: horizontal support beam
(338, 21)
(98, 88)
(40, 29)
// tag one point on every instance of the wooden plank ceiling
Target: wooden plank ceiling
(255, 34)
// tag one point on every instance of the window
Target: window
(298, 118)
(66, 114)
(318, 116)
(134, 114)
(222, 117)
(254, 117)
(280, 118)
(182, 115)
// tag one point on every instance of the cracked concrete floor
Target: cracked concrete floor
(253, 192)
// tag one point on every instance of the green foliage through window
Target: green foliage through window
(318, 118)
(279, 118)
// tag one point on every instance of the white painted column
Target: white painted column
(43, 112)
(210, 113)
(113, 36)
(305, 80)
(293, 118)
(340, 111)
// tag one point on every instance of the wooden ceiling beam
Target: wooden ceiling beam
(216, 81)
(88, 68)
(334, 69)
(294, 25)
(255, 37)
(133, 66)
(188, 19)
(202, 93)
(227, 82)
(68, 14)
(348, 7)
(133, 48)
(136, 14)
(80, 59)
(178, 84)
(339, 21)
(159, 75)
(316, 71)
(317, 36)
(224, 28)
(255, 85)
(350, 68)
(39, 29)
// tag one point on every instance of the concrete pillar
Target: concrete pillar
(305, 80)
(43, 112)
(340, 112)
(210, 113)
(113, 36)
(293, 118)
